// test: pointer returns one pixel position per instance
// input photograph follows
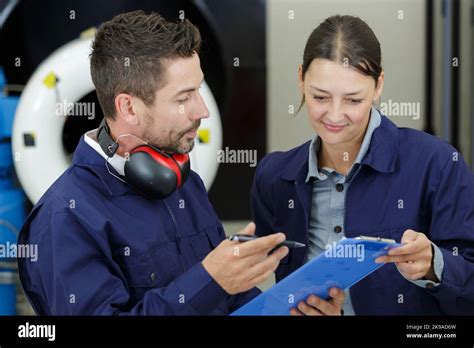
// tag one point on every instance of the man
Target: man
(104, 248)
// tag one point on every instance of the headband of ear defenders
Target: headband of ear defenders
(107, 144)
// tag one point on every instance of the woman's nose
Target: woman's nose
(335, 114)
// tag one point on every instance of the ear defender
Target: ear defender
(155, 173)
(149, 170)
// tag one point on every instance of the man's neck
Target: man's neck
(126, 143)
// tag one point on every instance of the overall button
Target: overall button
(153, 277)
(338, 229)
(339, 187)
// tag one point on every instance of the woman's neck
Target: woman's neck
(339, 157)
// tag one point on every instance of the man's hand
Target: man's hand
(238, 267)
(315, 305)
(414, 258)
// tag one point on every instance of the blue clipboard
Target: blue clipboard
(341, 265)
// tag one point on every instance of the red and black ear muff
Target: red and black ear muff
(150, 171)
(155, 173)
(184, 164)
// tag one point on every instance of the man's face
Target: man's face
(172, 121)
(338, 100)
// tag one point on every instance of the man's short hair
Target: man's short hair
(129, 52)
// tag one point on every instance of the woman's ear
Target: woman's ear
(300, 79)
(126, 109)
(379, 87)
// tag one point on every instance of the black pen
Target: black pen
(246, 238)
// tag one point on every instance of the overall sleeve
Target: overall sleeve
(452, 230)
(77, 276)
(237, 301)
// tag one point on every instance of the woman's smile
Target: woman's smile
(333, 128)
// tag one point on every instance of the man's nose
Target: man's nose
(201, 111)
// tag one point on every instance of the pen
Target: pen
(246, 238)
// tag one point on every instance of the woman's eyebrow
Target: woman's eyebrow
(324, 91)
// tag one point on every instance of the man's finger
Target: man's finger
(259, 244)
(270, 263)
(249, 229)
(261, 278)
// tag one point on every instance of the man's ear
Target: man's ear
(126, 109)
(300, 78)
(379, 87)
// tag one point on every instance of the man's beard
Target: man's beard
(172, 142)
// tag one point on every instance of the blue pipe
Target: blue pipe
(12, 201)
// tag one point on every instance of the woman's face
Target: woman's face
(338, 99)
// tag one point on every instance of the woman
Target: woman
(361, 175)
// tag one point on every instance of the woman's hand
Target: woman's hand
(317, 306)
(414, 259)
